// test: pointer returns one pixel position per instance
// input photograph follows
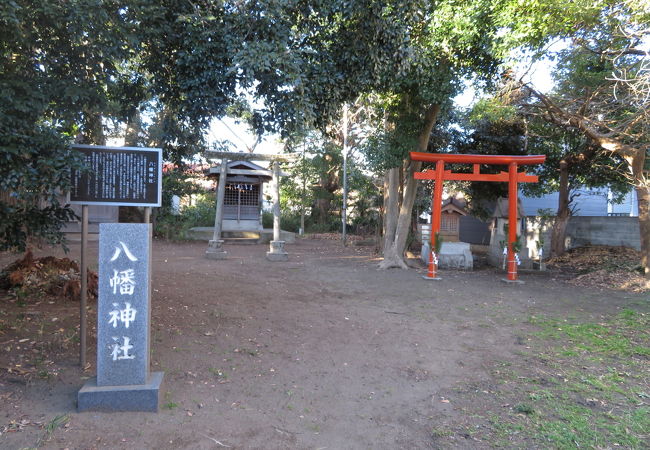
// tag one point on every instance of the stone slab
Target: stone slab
(507, 281)
(124, 313)
(277, 252)
(275, 257)
(263, 236)
(144, 397)
(453, 255)
(216, 255)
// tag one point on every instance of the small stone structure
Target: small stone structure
(498, 239)
(123, 382)
(243, 195)
(453, 255)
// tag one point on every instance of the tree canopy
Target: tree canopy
(69, 68)
(164, 69)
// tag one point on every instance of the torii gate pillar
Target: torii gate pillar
(512, 220)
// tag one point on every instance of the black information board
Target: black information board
(127, 176)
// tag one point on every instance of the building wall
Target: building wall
(616, 231)
(589, 202)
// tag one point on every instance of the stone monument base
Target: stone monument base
(277, 252)
(507, 281)
(215, 250)
(453, 255)
(136, 397)
(431, 278)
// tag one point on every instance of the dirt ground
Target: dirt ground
(321, 352)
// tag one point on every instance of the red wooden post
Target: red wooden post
(436, 207)
(512, 220)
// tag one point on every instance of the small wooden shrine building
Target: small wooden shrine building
(243, 196)
(243, 180)
(451, 211)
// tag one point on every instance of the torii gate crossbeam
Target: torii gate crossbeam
(512, 176)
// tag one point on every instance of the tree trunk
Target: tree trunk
(134, 131)
(391, 206)
(395, 244)
(642, 186)
(320, 212)
(558, 233)
(643, 197)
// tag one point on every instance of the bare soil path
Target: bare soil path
(321, 352)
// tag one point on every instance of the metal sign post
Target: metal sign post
(84, 287)
(344, 207)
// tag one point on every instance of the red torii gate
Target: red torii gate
(512, 176)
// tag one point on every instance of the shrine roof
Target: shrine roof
(453, 205)
(243, 168)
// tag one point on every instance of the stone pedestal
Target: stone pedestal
(134, 397)
(453, 255)
(431, 278)
(515, 282)
(539, 265)
(215, 250)
(277, 252)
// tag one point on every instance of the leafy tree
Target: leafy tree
(58, 68)
(69, 67)
(572, 161)
(602, 92)
(448, 42)
(317, 185)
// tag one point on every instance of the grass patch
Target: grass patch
(581, 385)
(626, 335)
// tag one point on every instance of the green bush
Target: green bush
(173, 228)
(201, 214)
(327, 227)
(288, 221)
(176, 227)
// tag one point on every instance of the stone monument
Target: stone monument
(123, 382)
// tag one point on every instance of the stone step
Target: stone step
(240, 234)
(240, 240)
(262, 237)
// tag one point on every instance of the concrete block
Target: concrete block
(453, 255)
(215, 250)
(142, 397)
(277, 252)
